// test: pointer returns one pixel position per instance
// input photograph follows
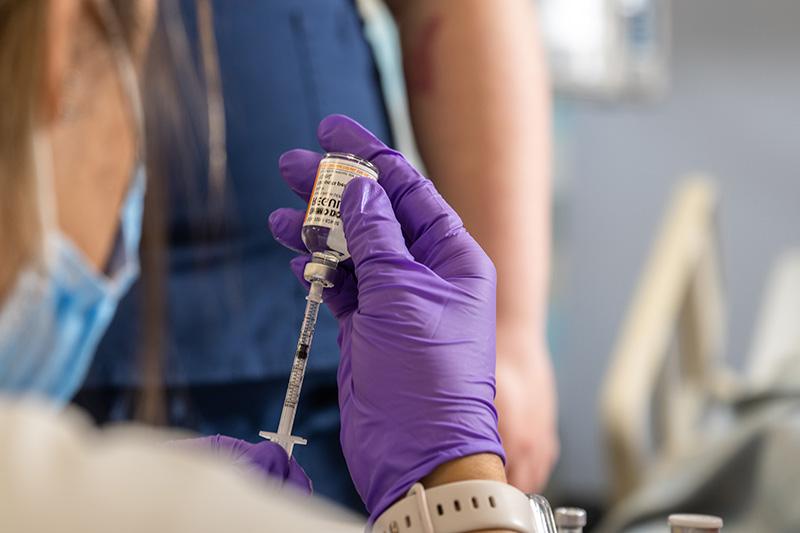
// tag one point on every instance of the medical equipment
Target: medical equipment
(570, 519)
(541, 514)
(611, 49)
(694, 523)
(323, 235)
(58, 310)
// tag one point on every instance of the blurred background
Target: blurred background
(646, 92)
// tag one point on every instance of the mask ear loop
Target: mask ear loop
(127, 72)
(41, 145)
(42, 151)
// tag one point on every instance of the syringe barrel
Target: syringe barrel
(300, 361)
(320, 276)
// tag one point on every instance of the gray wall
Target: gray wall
(733, 111)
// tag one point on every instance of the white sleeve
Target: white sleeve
(59, 474)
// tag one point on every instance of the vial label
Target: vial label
(334, 173)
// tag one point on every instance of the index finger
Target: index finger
(417, 204)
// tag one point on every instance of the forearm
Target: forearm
(480, 106)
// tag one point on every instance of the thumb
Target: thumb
(371, 229)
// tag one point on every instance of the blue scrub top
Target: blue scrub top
(234, 308)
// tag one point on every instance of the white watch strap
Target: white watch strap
(458, 508)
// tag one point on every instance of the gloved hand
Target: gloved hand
(265, 458)
(416, 312)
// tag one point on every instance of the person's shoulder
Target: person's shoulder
(89, 480)
(38, 418)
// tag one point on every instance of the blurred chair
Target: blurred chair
(777, 331)
(666, 366)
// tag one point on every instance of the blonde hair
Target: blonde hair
(23, 25)
(23, 35)
(23, 32)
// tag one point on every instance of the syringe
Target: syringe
(320, 272)
(324, 237)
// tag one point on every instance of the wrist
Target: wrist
(472, 497)
(486, 466)
(520, 345)
(479, 466)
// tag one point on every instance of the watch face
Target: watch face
(541, 515)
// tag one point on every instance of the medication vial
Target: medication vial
(322, 229)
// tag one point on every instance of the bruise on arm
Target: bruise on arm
(418, 63)
(479, 102)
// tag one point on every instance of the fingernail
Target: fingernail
(275, 221)
(285, 160)
(330, 122)
(362, 190)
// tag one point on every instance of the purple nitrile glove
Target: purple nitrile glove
(416, 312)
(264, 458)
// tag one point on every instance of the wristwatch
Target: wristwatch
(467, 506)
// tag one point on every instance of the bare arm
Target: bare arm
(480, 106)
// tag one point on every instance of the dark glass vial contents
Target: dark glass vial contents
(316, 239)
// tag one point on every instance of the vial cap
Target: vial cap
(322, 269)
(696, 521)
(570, 517)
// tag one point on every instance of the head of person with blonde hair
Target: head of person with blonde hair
(71, 181)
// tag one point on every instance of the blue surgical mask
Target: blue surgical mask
(59, 309)
(60, 306)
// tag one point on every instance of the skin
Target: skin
(480, 466)
(479, 102)
(88, 119)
